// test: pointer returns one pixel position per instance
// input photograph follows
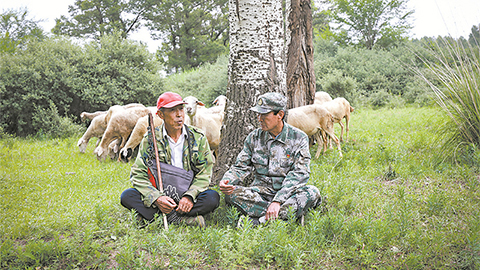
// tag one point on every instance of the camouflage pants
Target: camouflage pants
(254, 201)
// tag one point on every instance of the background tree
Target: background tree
(16, 29)
(370, 23)
(96, 18)
(474, 36)
(256, 66)
(192, 32)
(300, 74)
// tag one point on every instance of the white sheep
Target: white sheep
(113, 149)
(340, 108)
(86, 115)
(210, 123)
(314, 119)
(322, 97)
(116, 108)
(136, 136)
(219, 103)
(95, 129)
(119, 126)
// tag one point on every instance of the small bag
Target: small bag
(176, 181)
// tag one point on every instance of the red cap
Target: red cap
(169, 100)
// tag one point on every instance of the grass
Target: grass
(390, 203)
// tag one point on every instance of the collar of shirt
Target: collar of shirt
(176, 147)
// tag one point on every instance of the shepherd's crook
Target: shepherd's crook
(159, 174)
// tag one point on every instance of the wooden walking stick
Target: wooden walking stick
(159, 173)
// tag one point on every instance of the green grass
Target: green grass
(390, 203)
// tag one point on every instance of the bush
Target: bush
(74, 79)
(455, 85)
(366, 76)
(50, 124)
(205, 82)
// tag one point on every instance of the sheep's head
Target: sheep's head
(82, 145)
(220, 100)
(191, 105)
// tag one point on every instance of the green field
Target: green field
(392, 201)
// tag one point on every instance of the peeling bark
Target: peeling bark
(300, 74)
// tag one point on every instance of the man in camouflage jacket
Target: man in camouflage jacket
(278, 156)
(198, 200)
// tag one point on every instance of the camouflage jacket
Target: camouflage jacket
(280, 163)
(201, 158)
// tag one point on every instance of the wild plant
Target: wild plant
(455, 81)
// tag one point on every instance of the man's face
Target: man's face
(271, 122)
(173, 117)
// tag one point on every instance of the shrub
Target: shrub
(374, 73)
(456, 90)
(205, 82)
(74, 78)
(50, 124)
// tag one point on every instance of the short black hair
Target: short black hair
(275, 112)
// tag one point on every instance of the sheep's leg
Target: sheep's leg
(337, 141)
(347, 119)
(324, 140)
(341, 131)
(318, 139)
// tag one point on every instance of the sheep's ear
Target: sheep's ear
(200, 103)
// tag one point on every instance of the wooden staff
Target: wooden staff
(159, 174)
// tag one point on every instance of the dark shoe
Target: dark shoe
(243, 220)
(194, 221)
(175, 218)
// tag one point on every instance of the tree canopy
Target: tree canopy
(96, 18)
(370, 23)
(192, 32)
(16, 28)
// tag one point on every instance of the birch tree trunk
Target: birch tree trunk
(256, 66)
(299, 43)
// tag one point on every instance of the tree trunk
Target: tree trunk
(300, 70)
(256, 66)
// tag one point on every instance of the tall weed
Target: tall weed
(456, 88)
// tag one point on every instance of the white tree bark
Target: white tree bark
(256, 66)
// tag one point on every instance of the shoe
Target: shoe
(140, 221)
(253, 221)
(198, 221)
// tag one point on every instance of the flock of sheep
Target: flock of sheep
(121, 128)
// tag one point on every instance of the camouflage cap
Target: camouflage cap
(270, 102)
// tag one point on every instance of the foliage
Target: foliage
(192, 32)
(368, 77)
(387, 205)
(457, 68)
(371, 23)
(58, 76)
(205, 82)
(97, 18)
(474, 36)
(16, 29)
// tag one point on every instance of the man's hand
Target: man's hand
(225, 188)
(165, 204)
(272, 211)
(185, 205)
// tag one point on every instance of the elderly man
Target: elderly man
(184, 147)
(278, 156)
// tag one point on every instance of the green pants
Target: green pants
(254, 201)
